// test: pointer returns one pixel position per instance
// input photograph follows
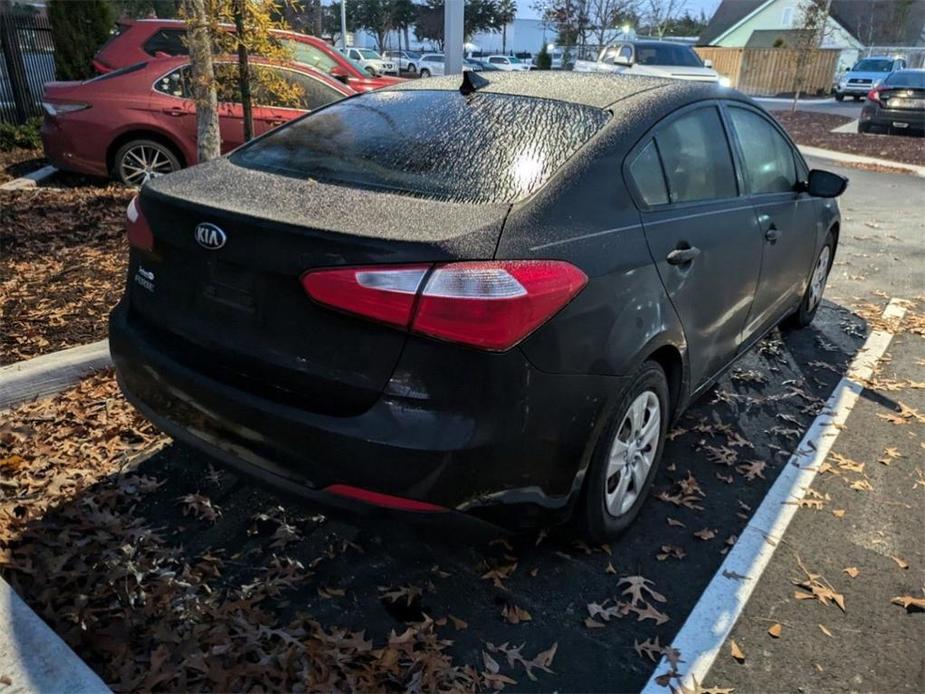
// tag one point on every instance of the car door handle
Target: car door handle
(772, 234)
(681, 256)
(175, 111)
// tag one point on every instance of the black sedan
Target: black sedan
(896, 105)
(490, 298)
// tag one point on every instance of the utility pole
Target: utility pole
(453, 36)
(343, 23)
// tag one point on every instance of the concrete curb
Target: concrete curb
(50, 373)
(858, 159)
(851, 127)
(30, 180)
(34, 658)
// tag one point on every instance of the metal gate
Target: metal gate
(28, 63)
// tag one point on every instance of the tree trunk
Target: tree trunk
(244, 72)
(208, 137)
(504, 39)
(319, 18)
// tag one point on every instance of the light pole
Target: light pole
(343, 23)
(453, 36)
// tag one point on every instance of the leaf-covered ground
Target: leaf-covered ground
(62, 260)
(814, 129)
(18, 162)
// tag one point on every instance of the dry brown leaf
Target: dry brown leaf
(705, 534)
(775, 630)
(825, 630)
(852, 571)
(900, 562)
(736, 652)
(650, 648)
(675, 523)
(839, 513)
(515, 615)
(909, 602)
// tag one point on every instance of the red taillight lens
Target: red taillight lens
(873, 95)
(494, 305)
(487, 304)
(385, 293)
(136, 227)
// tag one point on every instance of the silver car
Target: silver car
(866, 75)
(407, 61)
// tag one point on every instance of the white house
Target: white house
(853, 25)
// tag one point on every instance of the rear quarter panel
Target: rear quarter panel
(585, 216)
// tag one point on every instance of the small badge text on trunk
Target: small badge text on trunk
(210, 236)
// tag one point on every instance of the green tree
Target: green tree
(507, 12)
(480, 15)
(78, 30)
(141, 9)
(376, 16)
(543, 59)
(404, 14)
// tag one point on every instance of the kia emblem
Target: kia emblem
(210, 236)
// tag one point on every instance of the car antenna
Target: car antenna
(471, 82)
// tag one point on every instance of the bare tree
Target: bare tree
(199, 41)
(606, 15)
(813, 26)
(659, 13)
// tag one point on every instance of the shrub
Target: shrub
(543, 59)
(25, 136)
(78, 30)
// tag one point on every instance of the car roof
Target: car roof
(590, 89)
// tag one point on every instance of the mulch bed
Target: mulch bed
(18, 162)
(62, 266)
(813, 129)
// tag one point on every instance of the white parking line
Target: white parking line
(710, 622)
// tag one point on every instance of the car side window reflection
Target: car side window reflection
(696, 157)
(769, 160)
(646, 171)
(178, 83)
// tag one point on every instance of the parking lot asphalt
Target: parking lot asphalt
(871, 552)
(845, 108)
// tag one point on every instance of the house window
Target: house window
(786, 18)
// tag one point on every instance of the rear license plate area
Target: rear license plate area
(907, 104)
(230, 287)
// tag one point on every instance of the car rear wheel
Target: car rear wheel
(412, 68)
(812, 297)
(138, 161)
(627, 455)
(425, 72)
(839, 97)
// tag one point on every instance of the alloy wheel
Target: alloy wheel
(143, 162)
(820, 275)
(632, 453)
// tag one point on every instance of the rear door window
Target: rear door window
(436, 144)
(696, 157)
(178, 83)
(169, 41)
(647, 175)
(281, 88)
(768, 157)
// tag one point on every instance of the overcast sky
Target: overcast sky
(525, 10)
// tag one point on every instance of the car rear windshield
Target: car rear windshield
(666, 54)
(913, 80)
(434, 144)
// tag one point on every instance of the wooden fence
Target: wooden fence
(772, 71)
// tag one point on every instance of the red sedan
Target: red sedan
(143, 39)
(140, 121)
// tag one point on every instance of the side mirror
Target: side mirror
(708, 63)
(623, 60)
(825, 184)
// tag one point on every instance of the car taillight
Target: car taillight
(136, 227)
(491, 305)
(874, 95)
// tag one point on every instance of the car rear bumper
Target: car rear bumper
(485, 434)
(67, 154)
(901, 118)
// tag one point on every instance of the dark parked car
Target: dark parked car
(487, 299)
(898, 104)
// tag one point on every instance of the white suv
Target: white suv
(508, 63)
(432, 65)
(407, 61)
(371, 61)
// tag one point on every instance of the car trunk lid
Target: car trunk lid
(231, 305)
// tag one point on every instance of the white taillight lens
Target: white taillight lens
(59, 109)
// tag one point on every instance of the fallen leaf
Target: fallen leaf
(490, 663)
(650, 648)
(825, 630)
(636, 586)
(705, 534)
(900, 562)
(839, 513)
(675, 523)
(852, 571)
(910, 603)
(458, 623)
(775, 630)
(515, 615)
(610, 568)
(670, 551)
(593, 623)
(736, 652)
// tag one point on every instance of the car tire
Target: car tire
(815, 288)
(839, 97)
(864, 128)
(606, 510)
(856, 98)
(425, 72)
(139, 160)
(412, 68)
